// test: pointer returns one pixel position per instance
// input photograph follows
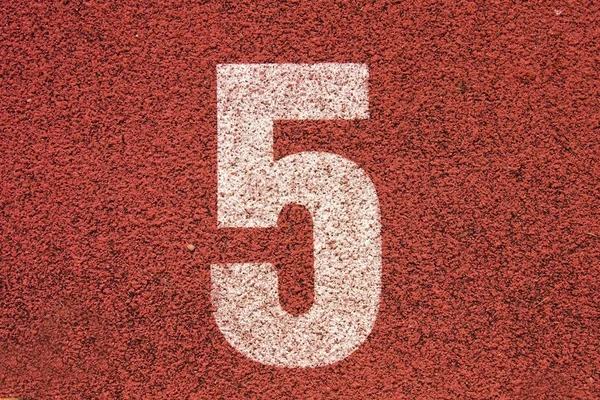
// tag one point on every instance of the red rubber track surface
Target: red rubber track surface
(483, 144)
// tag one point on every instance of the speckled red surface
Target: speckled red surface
(483, 143)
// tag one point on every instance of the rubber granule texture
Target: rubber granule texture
(483, 143)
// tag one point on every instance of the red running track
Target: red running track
(483, 144)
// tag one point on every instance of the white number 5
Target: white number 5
(253, 188)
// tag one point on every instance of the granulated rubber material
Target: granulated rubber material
(483, 143)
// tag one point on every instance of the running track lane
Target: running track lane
(483, 143)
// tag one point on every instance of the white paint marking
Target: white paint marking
(252, 191)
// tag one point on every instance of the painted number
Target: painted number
(253, 188)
